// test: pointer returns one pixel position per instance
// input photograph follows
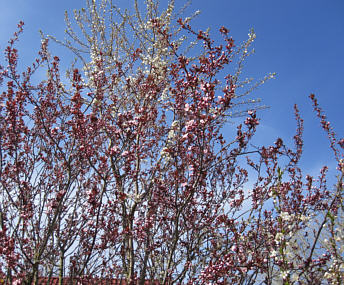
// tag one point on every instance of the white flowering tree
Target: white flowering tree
(103, 32)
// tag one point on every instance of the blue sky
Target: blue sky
(301, 40)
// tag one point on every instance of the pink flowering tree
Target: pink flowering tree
(124, 170)
(291, 232)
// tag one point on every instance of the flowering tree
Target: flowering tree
(125, 171)
(292, 232)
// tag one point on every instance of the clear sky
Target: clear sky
(301, 40)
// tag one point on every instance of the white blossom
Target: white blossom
(284, 274)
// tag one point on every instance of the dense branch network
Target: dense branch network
(125, 171)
